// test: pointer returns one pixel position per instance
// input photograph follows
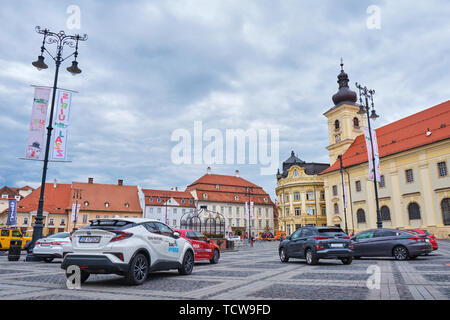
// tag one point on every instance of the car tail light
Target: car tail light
(319, 247)
(320, 238)
(120, 235)
(58, 243)
(416, 238)
(347, 237)
(37, 242)
(351, 247)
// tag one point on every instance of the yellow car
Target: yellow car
(10, 233)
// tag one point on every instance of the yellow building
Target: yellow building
(300, 193)
(414, 189)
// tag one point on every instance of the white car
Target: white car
(129, 247)
(51, 247)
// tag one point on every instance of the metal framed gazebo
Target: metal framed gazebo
(204, 221)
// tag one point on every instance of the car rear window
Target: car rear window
(59, 235)
(331, 232)
(110, 224)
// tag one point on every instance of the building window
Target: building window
(150, 199)
(50, 223)
(385, 214)
(191, 201)
(267, 212)
(266, 200)
(86, 203)
(287, 197)
(409, 175)
(85, 218)
(25, 221)
(337, 137)
(286, 212)
(63, 221)
(297, 211)
(174, 222)
(310, 195)
(217, 187)
(355, 122)
(358, 186)
(205, 196)
(297, 196)
(382, 182)
(106, 204)
(311, 211)
(334, 190)
(360, 216)
(324, 211)
(230, 221)
(413, 211)
(158, 210)
(445, 207)
(442, 168)
(236, 197)
(336, 208)
(336, 125)
(238, 211)
(322, 195)
(158, 199)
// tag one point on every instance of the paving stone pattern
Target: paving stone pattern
(250, 273)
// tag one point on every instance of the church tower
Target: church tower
(344, 122)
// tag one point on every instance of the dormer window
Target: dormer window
(182, 201)
(86, 203)
(295, 173)
(106, 204)
(205, 196)
(217, 187)
(266, 200)
(236, 197)
(127, 205)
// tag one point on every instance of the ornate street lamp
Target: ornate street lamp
(364, 109)
(61, 40)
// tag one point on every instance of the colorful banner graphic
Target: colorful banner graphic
(61, 125)
(36, 132)
(251, 210)
(369, 154)
(75, 211)
(12, 213)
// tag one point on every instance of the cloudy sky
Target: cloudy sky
(152, 67)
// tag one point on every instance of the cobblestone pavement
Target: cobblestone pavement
(247, 274)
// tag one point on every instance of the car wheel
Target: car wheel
(283, 255)
(215, 257)
(347, 260)
(48, 260)
(188, 263)
(311, 258)
(138, 270)
(400, 253)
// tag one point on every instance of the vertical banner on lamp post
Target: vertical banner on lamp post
(37, 124)
(374, 155)
(75, 211)
(12, 213)
(251, 210)
(246, 211)
(61, 125)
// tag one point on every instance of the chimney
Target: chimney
(54, 184)
(208, 170)
(91, 180)
(120, 182)
(236, 173)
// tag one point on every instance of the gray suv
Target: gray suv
(382, 242)
(314, 243)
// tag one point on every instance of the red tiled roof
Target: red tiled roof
(56, 200)
(10, 191)
(401, 135)
(164, 194)
(229, 188)
(97, 194)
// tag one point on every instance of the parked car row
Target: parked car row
(314, 243)
(131, 247)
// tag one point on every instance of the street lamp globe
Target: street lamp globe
(39, 63)
(374, 115)
(73, 69)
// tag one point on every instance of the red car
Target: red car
(430, 236)
(204, 249)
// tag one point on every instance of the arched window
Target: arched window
(413, 211)
(336, 208)
(445, 206)
(295, 174)
(385, 213)
(356, 122)
(336, 125)
(360, 216)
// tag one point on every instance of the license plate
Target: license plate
(337, 245)
(426, 240)
(89, 240)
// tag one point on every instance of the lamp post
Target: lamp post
(61, 40)
(343, 193)
(364, 109)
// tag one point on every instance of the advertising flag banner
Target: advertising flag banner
(12, 213)
(61, 125)
(369, 154)
(251, 210)
(75, 211)
(37, 124)
(246, 210)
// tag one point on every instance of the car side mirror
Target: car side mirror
(353, 238)
(176, 234)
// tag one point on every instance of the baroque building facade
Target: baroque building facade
(414, 189)
(301, 195)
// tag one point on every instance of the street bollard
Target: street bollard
(14, 250)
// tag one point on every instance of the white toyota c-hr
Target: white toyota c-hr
(129, 247)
